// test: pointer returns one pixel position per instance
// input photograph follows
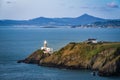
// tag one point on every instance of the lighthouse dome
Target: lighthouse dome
(45, 42)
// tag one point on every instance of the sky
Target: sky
(28, 9)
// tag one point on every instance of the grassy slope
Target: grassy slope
(80, 54)
(103, 57)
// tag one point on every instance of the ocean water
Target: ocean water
(18, 43)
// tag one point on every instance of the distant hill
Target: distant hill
(109, 23)
(102, 24)
(87, 19)
(42, 21)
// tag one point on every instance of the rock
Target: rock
(101, 57)
(20, 61)
(105, 58)
(35, 57)
(112, 67)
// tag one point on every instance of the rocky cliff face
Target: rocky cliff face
(111, 65)
(105, 58)
(35, 57)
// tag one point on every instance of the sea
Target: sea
(18, 43)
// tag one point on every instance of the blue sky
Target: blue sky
(28, 9)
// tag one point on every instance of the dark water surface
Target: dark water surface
(16, 44)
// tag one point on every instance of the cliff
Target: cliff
(105, 58)
(35, 57)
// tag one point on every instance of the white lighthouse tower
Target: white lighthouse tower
(46, 48)
(45, 44)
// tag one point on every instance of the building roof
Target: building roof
(91, 39)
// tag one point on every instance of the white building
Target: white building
(46, 49)
(92, 40)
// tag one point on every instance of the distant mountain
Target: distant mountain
(87, 19)
(42, 21)
(102, 24)
(84, 19)
(108, 23)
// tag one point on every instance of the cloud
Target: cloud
(112, 5)
(8, 2)
(85, 7)
(93, 7)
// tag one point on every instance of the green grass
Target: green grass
(101, 47)
(86, 50)
(80, 49)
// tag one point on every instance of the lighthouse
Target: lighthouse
(46, 48)
(45, 44)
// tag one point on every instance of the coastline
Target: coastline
(100, 60)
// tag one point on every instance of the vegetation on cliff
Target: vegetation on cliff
(35, 57)
(103, 57)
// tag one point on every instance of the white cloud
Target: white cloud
(112, 5)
